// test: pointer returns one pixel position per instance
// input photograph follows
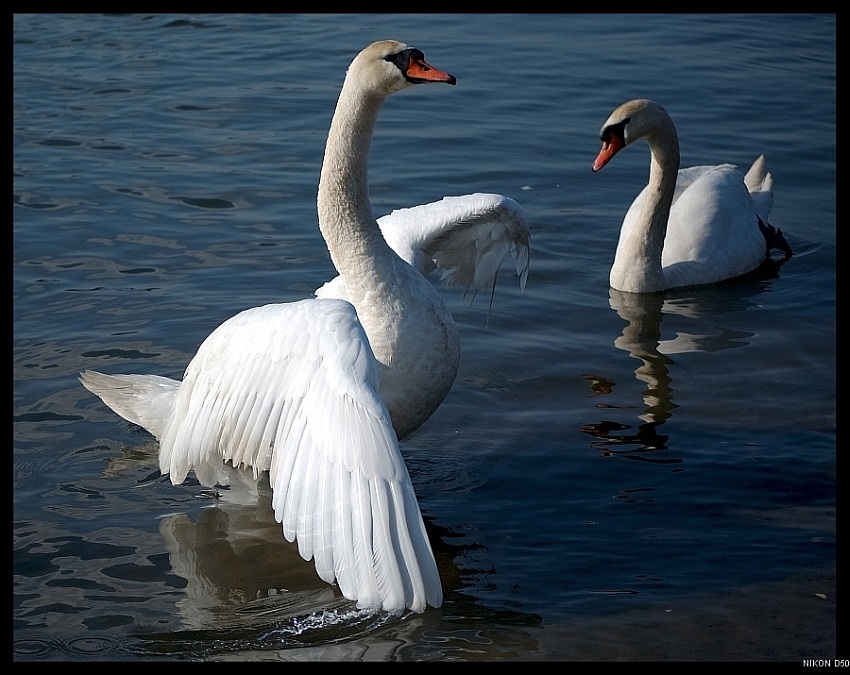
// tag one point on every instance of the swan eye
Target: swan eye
(402, 59)
(618, 130)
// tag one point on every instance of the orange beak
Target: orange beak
(419, 70)
(610, 148)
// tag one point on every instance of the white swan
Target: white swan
(687, 227)
(318, 391)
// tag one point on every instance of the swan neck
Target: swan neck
(663, 172)
(637, 266)
(345, 215)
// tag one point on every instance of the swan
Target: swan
(318, 392)
(693, 226)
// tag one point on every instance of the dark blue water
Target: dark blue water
(603, 482)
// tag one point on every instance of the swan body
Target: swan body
(693, 226)
(318, 392)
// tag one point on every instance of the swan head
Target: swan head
(388, 66)
(633, 120)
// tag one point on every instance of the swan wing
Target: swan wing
(713, 231)
(685, 179)
(292, 388)
(465, 238)
(758, 181)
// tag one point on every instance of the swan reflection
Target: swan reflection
(643, 314)
(248, 593)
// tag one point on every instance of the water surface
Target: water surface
(609, 479)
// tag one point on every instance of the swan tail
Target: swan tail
(759, 183)
(145, 400)
(774, 238)
(758, 178)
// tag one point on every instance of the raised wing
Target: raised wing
(292, 388)
(465, 238)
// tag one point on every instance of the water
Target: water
(605, 481)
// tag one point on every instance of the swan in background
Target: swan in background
(318, 392)
(687, 227)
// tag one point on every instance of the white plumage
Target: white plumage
(465, 238)
(687, 227)
(317, 392)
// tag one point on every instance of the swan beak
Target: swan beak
(610, 147)
(419, 70)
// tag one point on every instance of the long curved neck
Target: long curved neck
(637, 265)
(345, 216)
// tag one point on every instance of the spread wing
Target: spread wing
(466, 239)
(292, 388)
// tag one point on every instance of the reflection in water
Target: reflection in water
(641, 338)
(249, 592)
(226, 584)
(246, 586)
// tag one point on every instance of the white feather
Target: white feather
(465, 238)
